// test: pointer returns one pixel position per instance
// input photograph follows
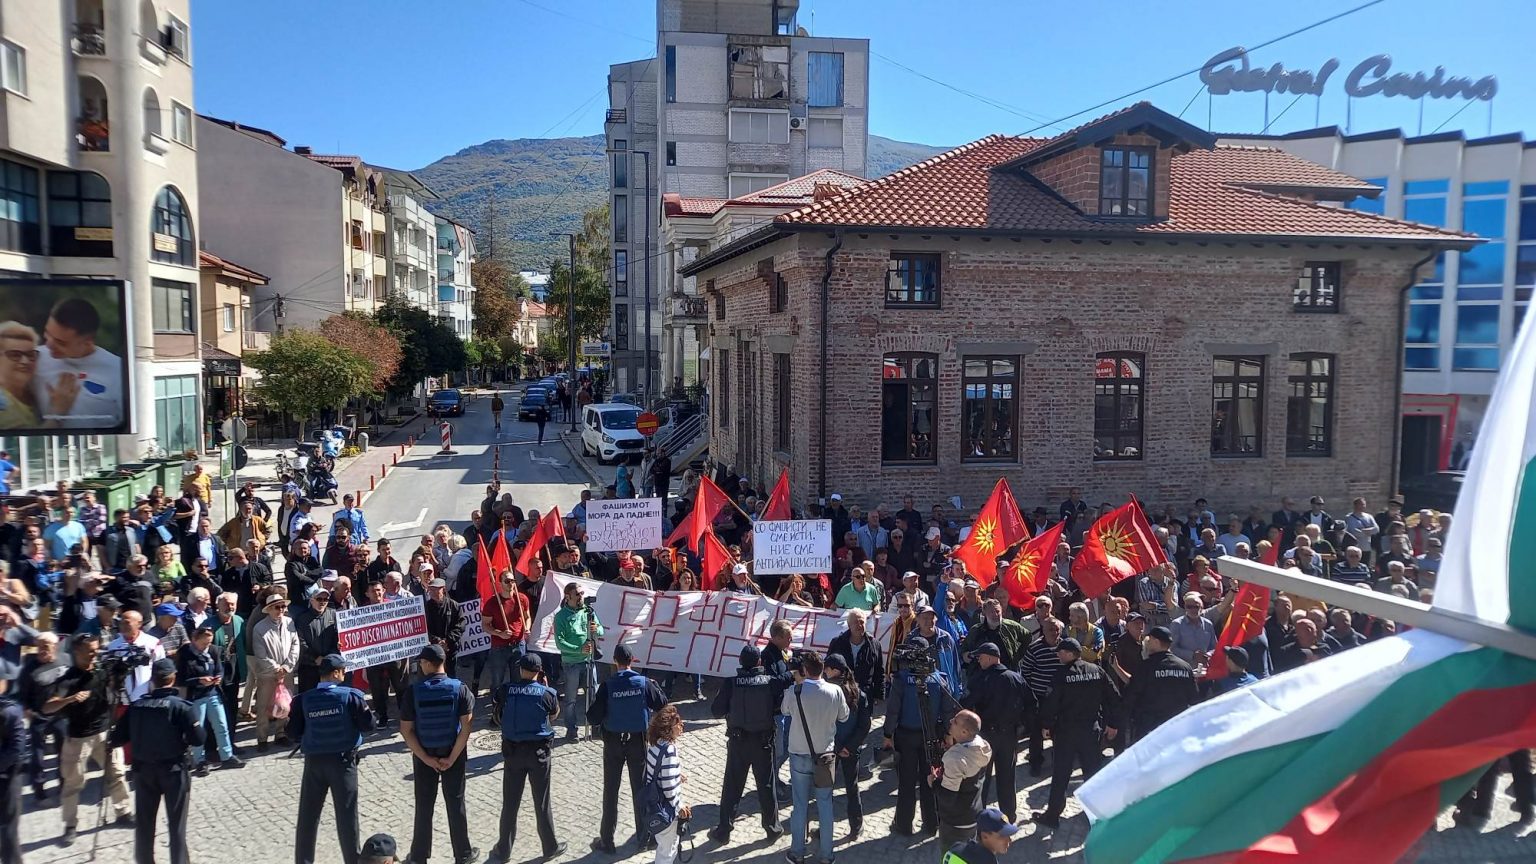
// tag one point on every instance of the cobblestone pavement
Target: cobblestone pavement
(248, 815)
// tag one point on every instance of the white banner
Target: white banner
(382, 633)
(692, 631)
(623, 524)
(475, 639)
(792, 546)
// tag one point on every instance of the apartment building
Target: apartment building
(1462, 317)
(455, 276)
(738, 98)
(227, 331)
(315, 224)
(98, 172)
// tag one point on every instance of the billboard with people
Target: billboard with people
(65, 357)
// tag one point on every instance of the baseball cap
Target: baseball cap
(1135, 616)
(1161, 634)
(750, 656)
(837, 496)
(1238, 654)
(1070, 644)
(992, 821)
(622, 654)
(380, 846)
(1317, 501)
(989, 648)
(332, 662)
(168, 609)
(329, 575)
(531, 662)
(435, 653)
(933, 532)
(164, 666)
(739, 568)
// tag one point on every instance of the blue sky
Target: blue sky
(404, 82)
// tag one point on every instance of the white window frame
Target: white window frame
(8, 80)
(183, 34)
(179, 133)
(812, 139)
(228, 316)
(752, 118)
(756, 186)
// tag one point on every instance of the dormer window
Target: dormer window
(1125, 182)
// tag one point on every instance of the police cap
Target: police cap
(331, 662)
(990, 648)
(164, 667)
(1161, 634)
(918, 642)
(750, 656)
(1070, 644)
(531, 662)
(622, 655)
(434, 653)
(380, 846)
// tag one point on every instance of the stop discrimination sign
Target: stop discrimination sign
(382, 633)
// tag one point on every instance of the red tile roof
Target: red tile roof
(801, 190)
(208, 259)
(334, 161)
(680, 206)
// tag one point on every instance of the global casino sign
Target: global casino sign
(1230, 72)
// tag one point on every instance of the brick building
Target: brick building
(1125, 308)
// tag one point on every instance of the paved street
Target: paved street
(248, 815)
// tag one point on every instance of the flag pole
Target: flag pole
(1457, 625)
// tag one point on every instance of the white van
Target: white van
(608, 432)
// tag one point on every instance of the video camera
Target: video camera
(914, 659)
(116, 665)
(591, 604)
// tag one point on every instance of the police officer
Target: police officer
(329, 722)
(748, 702)
(435, 723)
(1163, 685)
(622, 706)
(161, 729)
(1082, 705)
(1002, 698)
(906, 733)
(13, 755)
(526, 710)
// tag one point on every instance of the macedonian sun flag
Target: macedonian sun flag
(1246, 620)
(998, 526)
(1352, 757)
(1120, 545)
(1027, 573)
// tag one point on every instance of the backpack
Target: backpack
(656, 811)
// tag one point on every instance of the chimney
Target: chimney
(825, 192)
(303, 151)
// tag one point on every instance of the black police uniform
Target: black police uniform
(1163, 686)
(13, 755)
(435, 709)
(526, 710)
(748, 702)
(904, 728)
(160, 728)
(1082, 702)
(329, 722)
(1002, 699)
(622, 706)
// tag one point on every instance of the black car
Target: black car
(446, 403)
(1435, 491)
(534, 398)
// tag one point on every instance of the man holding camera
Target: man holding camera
(814, 708)
(131, 640)
(913, 728)
(83, 698)
(576, 633)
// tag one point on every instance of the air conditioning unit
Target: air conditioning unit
(797, 122)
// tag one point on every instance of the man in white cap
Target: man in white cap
(741, 581)
(934, 555)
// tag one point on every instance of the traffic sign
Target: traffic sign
(647, 424)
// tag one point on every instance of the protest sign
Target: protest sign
(475, 639)
(382, 633)
(620, 524)
(792, 546)
(692, 631)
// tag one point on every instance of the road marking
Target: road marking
(389, 527)
(545, 460)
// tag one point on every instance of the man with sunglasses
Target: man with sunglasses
(318, 636)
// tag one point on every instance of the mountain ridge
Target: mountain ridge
(541, 186)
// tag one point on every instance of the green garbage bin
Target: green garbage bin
(118, 495)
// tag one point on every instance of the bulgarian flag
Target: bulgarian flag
(1351, 758)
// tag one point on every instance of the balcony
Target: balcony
(617, 115)
(89, 41)
(92, 135)
(687, 309)
(257, 340)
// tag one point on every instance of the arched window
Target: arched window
(172, 240)
(1118, 403)
(149, 21)
(909, 407)
(93, 127)
(79, 214)
(152, 113)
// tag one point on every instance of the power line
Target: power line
(586, 23)
(1464, 106)
(1282, 113)
(985, 100)
(600, 91)
(1266, 43)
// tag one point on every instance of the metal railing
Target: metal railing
(89, 40)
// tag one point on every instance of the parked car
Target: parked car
(446, 403)
(534, 397)
(627, 398)
(608, 431)
(1435, 491)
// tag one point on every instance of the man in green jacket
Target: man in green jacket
(576, 633)
(231, 647)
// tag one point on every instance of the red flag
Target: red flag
(501, 558)
(1246, 620)
(485, 581)
(550, 526)
(1118, 546)
(715, 556)
(1026, 575)
(778, 499)
(707, 504)
(998, 526)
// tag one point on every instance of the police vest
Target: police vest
(911, 718)
(751, 701)
(523, 717)
(328, 726)
(437, 715)
(627, 708)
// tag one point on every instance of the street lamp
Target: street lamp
(570, 324)
(645, 386)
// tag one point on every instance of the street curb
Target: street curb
(573, 446)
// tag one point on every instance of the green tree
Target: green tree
(497, 290)
(428, 346)
(303, 373)
(592, 309)
(592, 249)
